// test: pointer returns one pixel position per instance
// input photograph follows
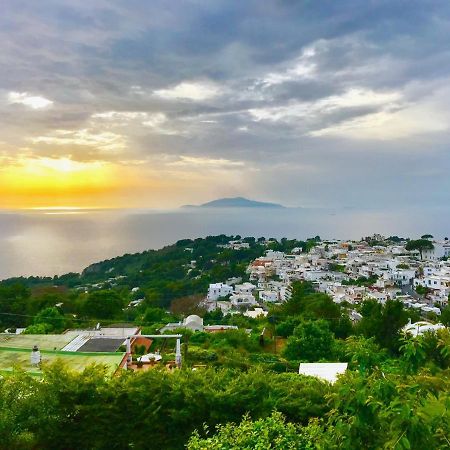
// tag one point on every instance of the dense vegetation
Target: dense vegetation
(383, 402)
(163, 279)
(245, 391)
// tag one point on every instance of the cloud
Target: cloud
(302, 67)
(186, 90)
(295, 91)
(355, 101)
(31, 101)
(199, 162)
(120, 115)
(105, 142)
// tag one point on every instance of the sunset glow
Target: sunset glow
(102, 105)
(36, 182)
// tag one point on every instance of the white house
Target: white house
(380, 297)
(438, 281)
(419, 328)
(243, 300)
(257, 312)
(402, 276)
(269, 296)
(245, 288)
(219, 290)
(440, 250)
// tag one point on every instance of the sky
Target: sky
(156, 104)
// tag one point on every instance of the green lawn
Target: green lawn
(20, 358)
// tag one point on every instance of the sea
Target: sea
(51, 242)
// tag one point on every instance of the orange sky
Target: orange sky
(43, 182)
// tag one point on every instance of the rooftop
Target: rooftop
(20, 358)
(325, 371)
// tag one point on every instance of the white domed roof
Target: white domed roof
(193, 322)
(193, 319)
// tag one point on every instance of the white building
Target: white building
(192, 322)
(255, 313)
(380, 297)
(218, 290)
(437, 280)
(245, 288)
(243, 300)
(325, 371)
(440, 250)
(269, 296)
(419, 328)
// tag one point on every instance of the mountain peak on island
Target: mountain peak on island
(235, 202)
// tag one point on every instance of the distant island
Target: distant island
(235, 202)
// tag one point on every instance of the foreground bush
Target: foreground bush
(270, 433)
(155, 409)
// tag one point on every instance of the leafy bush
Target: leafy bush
(270, 433)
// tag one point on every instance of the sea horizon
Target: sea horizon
(48, 242)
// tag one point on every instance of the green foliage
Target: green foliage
(388, 411)
(420, 245)
(445, 316)
(89, 410)
(13, 305)
(336, 268)
(41, 328)
(383, 322)
(286, 328)
(154, 315)
(312, 341)
(431, 349)
(364, 409)
(363, 354)
(422, 290)
(52, 317)
(103, 305)
(361, 281)
(269, 433)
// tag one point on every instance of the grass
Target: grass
(11, 358)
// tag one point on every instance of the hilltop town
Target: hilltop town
(226, 325)
(348, 271)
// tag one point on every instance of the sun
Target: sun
(52, 182)
(64, 165)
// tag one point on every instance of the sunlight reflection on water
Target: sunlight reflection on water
(43, 242)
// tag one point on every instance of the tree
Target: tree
(13, 304)
(41, 328)
(427, 236)
(413, 353)
(383, 322)
(154, 315)
(420, 245)
(445, 315)
(363, 354)
(312, 341)
(52, 317)
(103, 305)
